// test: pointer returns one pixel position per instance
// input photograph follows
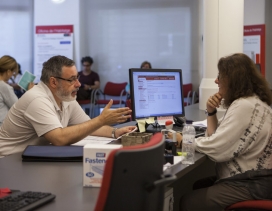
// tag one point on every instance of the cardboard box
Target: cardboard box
(94, 159)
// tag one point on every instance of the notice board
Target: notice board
(51, 41)
(254, 44)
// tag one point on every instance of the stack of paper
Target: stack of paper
(93, 140)
(200, 123)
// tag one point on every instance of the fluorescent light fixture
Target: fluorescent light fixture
(58, 1)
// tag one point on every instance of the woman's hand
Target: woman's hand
(87, 87)
(30, 85)
(213, 102)
(178, 138)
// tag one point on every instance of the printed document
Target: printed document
(200, 123)
(93, 140)
(26, 79)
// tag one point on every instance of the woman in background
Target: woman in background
(89, 79)
(13, 81)
(8, 68)
(144, 65)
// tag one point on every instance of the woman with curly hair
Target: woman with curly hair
(240, 143)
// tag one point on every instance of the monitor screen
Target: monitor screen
(156, 92)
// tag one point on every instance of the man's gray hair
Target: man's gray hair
(53, 67)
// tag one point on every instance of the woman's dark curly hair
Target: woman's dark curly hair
(243, 79)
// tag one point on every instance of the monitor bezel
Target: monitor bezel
(132, 70)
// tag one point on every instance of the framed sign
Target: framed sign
(254, 45)
(51, 41)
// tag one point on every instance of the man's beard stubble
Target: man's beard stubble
(65, 95)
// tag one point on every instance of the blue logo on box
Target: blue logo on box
(89, 174)
(100, 154)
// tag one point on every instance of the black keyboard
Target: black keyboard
(24, 201)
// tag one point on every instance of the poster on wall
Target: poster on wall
(51, 41)
(254, 45)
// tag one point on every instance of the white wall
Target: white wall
(67, 13)
(166, 32)
(223, 35)
(254, 12)
(16, 37)
(121, 35)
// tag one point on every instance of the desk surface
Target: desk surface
(193, 113)
(65, 180)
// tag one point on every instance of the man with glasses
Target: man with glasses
(49, 113)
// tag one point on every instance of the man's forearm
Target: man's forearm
(73, 134)
(95, 86)
(105, 131)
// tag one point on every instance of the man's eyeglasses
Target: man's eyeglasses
(71, 81)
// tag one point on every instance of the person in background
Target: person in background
(13, 81)
(8, 69)
(240, 143)
(88, 78)
(49, 112)
(144, 65)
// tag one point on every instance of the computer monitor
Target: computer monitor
(156, 93)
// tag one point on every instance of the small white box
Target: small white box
(94, 159)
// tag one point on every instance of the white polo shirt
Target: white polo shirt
(33, 115)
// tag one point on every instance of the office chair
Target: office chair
(133, 178)
(115, 91)
(190, 96)
(258, 66)
(88, 105)
(85, 105)
(251, 205)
